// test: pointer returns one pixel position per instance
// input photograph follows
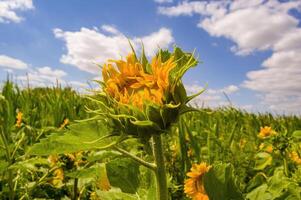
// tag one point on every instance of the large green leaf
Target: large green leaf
(220, 183)
(29, 164)
(124, 174)
(297, 135)
(262, 160)
(3, 165)
(115, 194)
(81, 136)
(91, 172)
(259, 193)
(277, 187)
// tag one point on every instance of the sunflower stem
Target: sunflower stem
(162, 190)
(137, 159)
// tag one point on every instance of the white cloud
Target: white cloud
(43, 76)
(87, 47)
(12, 63)
(162, 38)
(257, 25)
(252, 25)
(230, 89)
(211, 97)
(9, 9)
(163, 1)
(109, 29)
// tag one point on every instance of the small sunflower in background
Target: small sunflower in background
(265, 132)
(19, 119)
(194, 186)
(65, 123)
(295, 157)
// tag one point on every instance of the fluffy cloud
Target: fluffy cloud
(9, 9)
(87, 47)
(163, 1)
(12, 63)
(43, 76)
(270, 21)
(257, 25)
(211, 97)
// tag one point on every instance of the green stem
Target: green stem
(75, 185)
(162, 190)
(285, 165)
(135, 158)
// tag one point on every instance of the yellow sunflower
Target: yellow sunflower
(19, 119)
(65, 123)
(266, 132)
(128, 82)
(194, 187)
(295, 157)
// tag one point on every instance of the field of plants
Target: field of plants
(59, 144)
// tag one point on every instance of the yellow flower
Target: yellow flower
(194, 187)
(19, 119)
(128, 83)
(93, 196)
(261, 146)
(295, 157)
(59, 174)
(190, 153)
(53, 159)
(76, 158)
(242, 143)
(269, 149)
(65, 123)
(58, 177)
(143, 98)
(266, 132)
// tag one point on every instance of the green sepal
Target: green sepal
(133, 50)
(179, 93)
(146, 123)
(189, 98)
(146, 66)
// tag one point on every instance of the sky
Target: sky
(249, 50)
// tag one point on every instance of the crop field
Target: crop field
(59, 144)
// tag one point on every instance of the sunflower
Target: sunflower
(194, 187)
(295, 157)
(65, 123)
(266, 132)
(19, 119)
(128, 82)
(142, 97)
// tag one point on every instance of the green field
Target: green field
(64, 167)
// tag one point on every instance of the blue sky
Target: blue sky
(249, 49)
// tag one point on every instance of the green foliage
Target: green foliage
(221, 183)
(262, 160)
(277, 187)
(116, 195)
(79, 137)
(124, 174)
(225, 135)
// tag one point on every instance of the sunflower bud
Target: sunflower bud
(144, 98)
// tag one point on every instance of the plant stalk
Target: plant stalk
(75, 190)
(135, 158)
(162, 190)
